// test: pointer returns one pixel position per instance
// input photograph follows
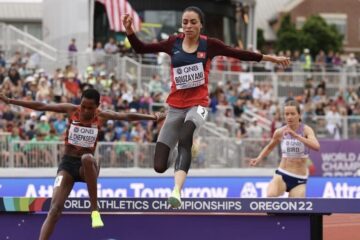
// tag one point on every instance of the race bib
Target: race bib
(58, 181)
(189, 76)
(293, 148)
(82, 136)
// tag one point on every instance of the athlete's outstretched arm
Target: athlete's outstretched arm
(218, 48)
(40, 106)
(138, 45)
(268, 148)
(111, 115)
(310, 140)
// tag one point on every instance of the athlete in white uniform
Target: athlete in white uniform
(296, 139)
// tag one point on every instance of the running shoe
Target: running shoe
(96, 221)
(174, 200)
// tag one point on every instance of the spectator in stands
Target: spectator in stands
(43, 93)
(155, 85)
(99, 53)
(296, 139)
(190, 55)
(351, 66)
(241, 131)
(320, 61)
(255, 131)
(306, 60)
(52, 137)
(72, 85)
(14, 76)
(2, 60)
(109, 133)
(238, 108)
(43, 127)
(329, 60)
(60, 124)
(337, 62)
(78, 163)
(72, 50)
(2, 74)
(58, 87)
(333, 122)
(111, 47)
(8, 114)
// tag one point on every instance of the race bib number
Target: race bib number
(189, 76)
(203, 112)
(58, 181)
(82, 136)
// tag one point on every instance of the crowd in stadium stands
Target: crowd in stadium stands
(330, 62)
(20, 77)
(65, 86)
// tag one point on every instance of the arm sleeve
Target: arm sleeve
(141, 47)
(218, 48)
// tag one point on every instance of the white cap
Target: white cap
(33, 114)
(110, 122)
(43, 118)
(29, 79)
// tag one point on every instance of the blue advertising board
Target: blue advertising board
(195, 187)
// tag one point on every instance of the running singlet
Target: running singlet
(293, 148)
(82, 134)
(190, 71)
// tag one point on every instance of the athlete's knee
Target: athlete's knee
(186, 134)
(87, 160)
(271, 192)
(161, 157)
(160, 168)
(55, 212)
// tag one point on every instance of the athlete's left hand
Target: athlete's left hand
(160, 116)
(283, 61)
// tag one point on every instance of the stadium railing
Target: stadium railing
(208, 152)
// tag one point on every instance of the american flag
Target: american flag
(115, 9)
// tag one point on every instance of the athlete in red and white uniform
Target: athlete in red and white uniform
(78, 163)
(191, 54)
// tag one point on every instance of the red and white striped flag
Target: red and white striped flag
(115, 9)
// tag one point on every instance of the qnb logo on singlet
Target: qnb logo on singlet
(82, 136)
(189, 76)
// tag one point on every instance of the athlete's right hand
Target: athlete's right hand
(160, 116)
(127, 22)
(254, 162)
(4, 98)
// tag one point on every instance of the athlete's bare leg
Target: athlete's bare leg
(63, 184)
